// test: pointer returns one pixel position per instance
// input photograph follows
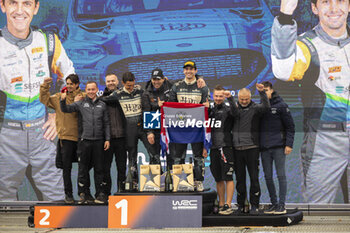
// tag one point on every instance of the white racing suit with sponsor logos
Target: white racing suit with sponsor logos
(23, 67)
(321, 66)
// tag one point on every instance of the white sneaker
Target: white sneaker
(199, 186)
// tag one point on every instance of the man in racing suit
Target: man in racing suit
(319, 60)
(129, 98)
(23, 67)
(187, 91)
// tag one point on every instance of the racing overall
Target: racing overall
(321, 64)
(131, 105)
(184, 92)
(23, 67)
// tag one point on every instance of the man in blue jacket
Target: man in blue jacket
(276, 141)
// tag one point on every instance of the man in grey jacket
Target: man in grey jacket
(95, 138)
(246, 144)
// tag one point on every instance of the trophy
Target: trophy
(183, 178)
(149, 178)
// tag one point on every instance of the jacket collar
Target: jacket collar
(20, 43)
(275, 98)
(190, 83)
(77, 91)
(150, 88)
(124, 89)
(107, 92)
(328, 39)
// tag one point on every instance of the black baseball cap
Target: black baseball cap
(157, 74)
(190, 63)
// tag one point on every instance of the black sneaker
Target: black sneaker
(85, 199)
(121, 187)
(89, 199)
(254, 210)
(271, 209)
(82, 199)
(101, 199)
(226, 210)
(69, 199)
(280, 210)
(240, 210)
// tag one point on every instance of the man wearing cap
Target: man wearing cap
(156, 93)
(187, 91)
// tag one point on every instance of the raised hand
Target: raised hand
(227, 94)
(288, 6)
(48, 80)
(206, 104)
(160, 103)
(64, 95)
(201, 83)
(78, 97)
(260, 87)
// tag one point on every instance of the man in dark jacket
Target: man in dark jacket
(246, 143)
(156, 93)
(221, 151)
(276, 141)
(118, 142)
(95, 138)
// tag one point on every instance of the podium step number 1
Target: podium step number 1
(144, 211)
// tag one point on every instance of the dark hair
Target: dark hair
(267, 84)
(36, 2)
(219, 88)
(73, 78)
(89, 82)
(128, 77)
(313, 1)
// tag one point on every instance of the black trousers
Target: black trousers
(91, 155)
(117, 148)
(197, 149)
(135, 132)
(247, 159)
(156, 147)
(68, 152)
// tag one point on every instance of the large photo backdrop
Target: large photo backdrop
(228, 39)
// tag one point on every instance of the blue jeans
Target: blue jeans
(267, 157)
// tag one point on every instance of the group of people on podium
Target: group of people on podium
(92, 129)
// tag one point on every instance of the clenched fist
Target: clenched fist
(288, 6)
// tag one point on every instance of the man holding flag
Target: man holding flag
(187, 91)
